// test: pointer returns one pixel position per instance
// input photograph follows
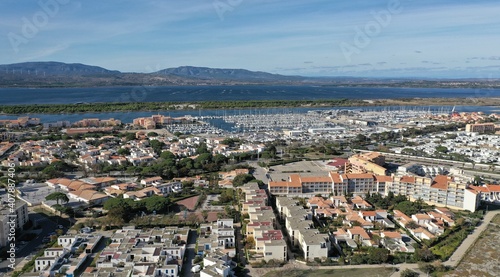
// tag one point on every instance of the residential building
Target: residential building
(480, 128)
(19, 216)
(488, 193)
(299, 226)
(442, 191)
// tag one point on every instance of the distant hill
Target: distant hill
(54, 68)
(57, 74)
(207, 73)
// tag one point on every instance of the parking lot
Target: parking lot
(207, 206)
(304, 168)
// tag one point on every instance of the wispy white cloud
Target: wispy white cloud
(294, 35)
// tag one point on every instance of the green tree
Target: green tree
(156, 203)
(202, 149)
(424, 254)
(57, 196)
(242, 179)
(409, 273)
(52, 172)
(442, 149)
(407, 207)
(123, 151)
(157, 146)
(130, 136)
(378, 255)
(167, 155)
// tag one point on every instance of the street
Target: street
(47, 226)
(190, 254)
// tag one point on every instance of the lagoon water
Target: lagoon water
(15, 96)
(19, 96)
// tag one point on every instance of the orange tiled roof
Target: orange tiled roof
(407, 179)
(359, 176)
(422, 216)
(335, 177)
(383, 178)
(295, 181)
(322, 179)
(392, 235)
(441, 182)
(278, 184)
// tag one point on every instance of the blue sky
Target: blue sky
(364, 38)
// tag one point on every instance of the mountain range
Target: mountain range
(57, 74)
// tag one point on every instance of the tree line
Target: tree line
(163, 106)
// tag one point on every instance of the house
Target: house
(150, 181)
(359, 235)
(88, 196)
(421, 219)
(360, 203)
(401, 218)
(421, 233)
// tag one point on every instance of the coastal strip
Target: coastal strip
(194, 105)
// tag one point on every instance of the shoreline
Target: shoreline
(103, 107)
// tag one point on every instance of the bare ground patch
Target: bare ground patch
(484, 257)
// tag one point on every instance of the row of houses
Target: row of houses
(374, 228)
(68, 257)
(35, 153)
(20, 122)
(83, 190)
(301, 231)
(270, 243)
(217, 245)
(359, 224)
(157, 252)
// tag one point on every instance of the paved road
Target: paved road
(26, 251)
(259, 173)
(190, 254)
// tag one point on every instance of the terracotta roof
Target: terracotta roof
(337, 162)
(422, 216)
(152, 179)
(103, 179)
(371, 155)
(278, 184)
(441, 182)
(479, 188)
(368, 213)
(335, 177)
(316, 179)
(407, 179)
(357, 230)
(383, 178)
(392, 235)
(89, 195)
(295, 181)
(359, 176)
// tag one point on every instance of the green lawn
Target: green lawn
(382, 272)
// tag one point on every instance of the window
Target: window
(269, 253)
